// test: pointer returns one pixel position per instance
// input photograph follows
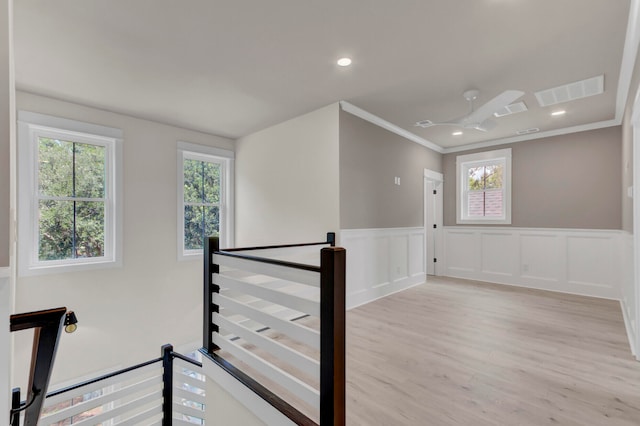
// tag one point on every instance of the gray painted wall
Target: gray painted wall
(568, 181)
(370, 158)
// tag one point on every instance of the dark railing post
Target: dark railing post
(332, 336)
(15, 406)
(212, 245)
(167, 385)
(47, 325)
(331, 238)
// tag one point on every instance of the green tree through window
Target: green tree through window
(201, 202)
(71, 199)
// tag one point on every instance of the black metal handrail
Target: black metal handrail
(47, 325)
(278, 262)
(103, 377)
(331, 240)
(234, 252)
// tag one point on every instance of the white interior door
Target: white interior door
(433, 221)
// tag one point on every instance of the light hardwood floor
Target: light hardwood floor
(454, 352)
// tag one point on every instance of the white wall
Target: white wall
(125, 314)
(586, 262)
(7, 196)
(287, 183)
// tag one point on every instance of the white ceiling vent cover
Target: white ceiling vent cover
(527, 131)
(511, 109)
(571, 92)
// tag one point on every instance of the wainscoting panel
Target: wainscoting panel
(585, 259)
(463, 259)
(497, 253)
(382, 261)
(539, 255)
(416, 254)
(586, 262)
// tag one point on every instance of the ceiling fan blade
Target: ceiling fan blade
(425, 124)
(485, 126)
(485, 111)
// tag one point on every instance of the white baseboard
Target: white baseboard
(382, 261)
(584, 262)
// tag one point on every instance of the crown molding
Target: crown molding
(540, 135)
(367, 116)
(629, 56)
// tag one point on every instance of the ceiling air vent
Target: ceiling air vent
(527, 131)
(571, 92)
(511, 109)
(424, 123)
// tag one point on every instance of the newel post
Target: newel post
(167, 382)
(15, 407)
(212, 245)
(332, 336)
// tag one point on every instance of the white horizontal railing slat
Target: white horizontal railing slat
(138, 374)
(139, 418)
(181, 365)
(298, 332)
(191, 381)
(301, 304)
(120, 410)
(145, 385)
(300, 361)
(187, 411)
(294, 385)
(290, 274)
(178, 422)
(188, 395)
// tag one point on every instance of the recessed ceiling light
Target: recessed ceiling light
(458, 133)
(344, 62)
(556, 113)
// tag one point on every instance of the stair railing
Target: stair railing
(238, 283)
(168, 390)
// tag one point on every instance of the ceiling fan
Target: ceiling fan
(478, 119)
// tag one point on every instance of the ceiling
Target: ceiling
(232, 67)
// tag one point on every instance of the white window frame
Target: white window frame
(463, 163)
(31, 126)
(220, 156)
